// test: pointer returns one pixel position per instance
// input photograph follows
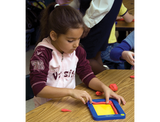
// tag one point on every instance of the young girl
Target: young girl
(58, 57)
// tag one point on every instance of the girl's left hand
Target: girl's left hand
(110, 94)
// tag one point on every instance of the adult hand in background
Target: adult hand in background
(86, 31)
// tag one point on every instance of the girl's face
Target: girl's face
(67, 43)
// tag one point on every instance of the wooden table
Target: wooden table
(51, 111)
(122, 25)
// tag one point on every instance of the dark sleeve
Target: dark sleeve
(83, 67)
(116, 52)
(39, 66)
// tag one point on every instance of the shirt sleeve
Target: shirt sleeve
(116, 52)
(123, 10)
(39, 66)
(83, 67)
(96, 12)
(130, 39)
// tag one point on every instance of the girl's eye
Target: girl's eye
(70, 41)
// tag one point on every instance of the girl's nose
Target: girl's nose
(75, 45)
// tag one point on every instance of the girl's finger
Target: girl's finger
(116, 97)
(88, 98)
(119, 98)
(123, 101)
(107, 98)
(81, 98)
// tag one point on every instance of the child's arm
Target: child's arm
(123, 12)
(53, 92)
(128, 17)
(85, 73)
(96, 84)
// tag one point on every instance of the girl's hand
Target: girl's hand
(128, 56)
(79, 94)
(110, 94)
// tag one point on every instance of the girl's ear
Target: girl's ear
(53, 35)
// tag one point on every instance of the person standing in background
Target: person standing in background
(112, 42)
(99, 16)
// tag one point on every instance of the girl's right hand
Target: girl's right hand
(80, 94)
